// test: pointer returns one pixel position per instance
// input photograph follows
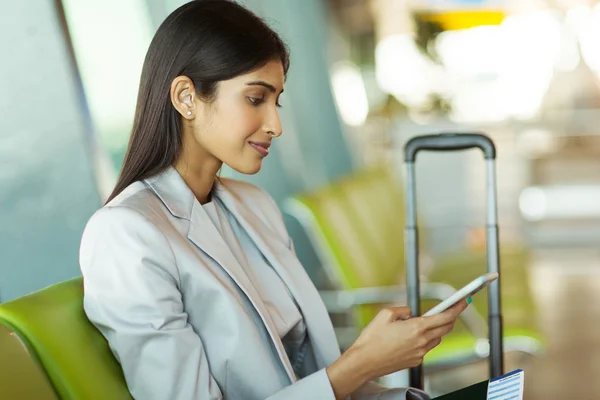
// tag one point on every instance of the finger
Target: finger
(397, 313)
(460, 306)
(445, 317)
(436, 321)
(432, 344)
(439, 331)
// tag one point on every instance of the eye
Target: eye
(256, 101)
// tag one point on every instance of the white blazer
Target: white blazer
(167, 293)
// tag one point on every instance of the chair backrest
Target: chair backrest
(72, 352)
(357, 226)
(377, 205)
(20, 376)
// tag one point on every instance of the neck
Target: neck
(200, 179)
(197, 166)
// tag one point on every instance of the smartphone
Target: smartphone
(467, 291)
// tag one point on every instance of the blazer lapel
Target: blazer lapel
(180, 201)
(287, 265)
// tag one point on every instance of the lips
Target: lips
(261, 148)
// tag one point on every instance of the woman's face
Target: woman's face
(238, 126)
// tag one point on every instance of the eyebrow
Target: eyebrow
(264, 84)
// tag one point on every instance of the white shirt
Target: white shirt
(285, 314)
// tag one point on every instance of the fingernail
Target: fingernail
(469, 300)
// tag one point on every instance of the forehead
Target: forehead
(271, 73)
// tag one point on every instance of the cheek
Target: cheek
(229, 126)
(244, 122)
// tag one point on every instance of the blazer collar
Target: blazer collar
(172, 190)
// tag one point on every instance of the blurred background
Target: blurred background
(366, 76)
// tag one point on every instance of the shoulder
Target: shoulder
(136, 212)
(138, 201)
(126, 237)
(137, 198)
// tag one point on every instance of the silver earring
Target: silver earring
(189, 113)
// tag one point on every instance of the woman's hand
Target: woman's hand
(393, 341)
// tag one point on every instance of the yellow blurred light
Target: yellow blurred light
(463, 19)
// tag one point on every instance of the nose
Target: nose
(273, 123)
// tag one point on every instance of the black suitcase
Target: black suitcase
(454, 142)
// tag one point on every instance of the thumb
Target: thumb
(398, 313)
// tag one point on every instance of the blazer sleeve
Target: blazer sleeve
(131, 295)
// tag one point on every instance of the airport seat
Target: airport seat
(71, 351)
(356, 225)
(20, 375)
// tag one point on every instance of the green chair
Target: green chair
(75, 356)
(20, 376)
(356, 225)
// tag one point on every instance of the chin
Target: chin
(248, 168)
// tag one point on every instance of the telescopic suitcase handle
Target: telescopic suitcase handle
(454, 142)
(449, 142)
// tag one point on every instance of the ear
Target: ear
(183, 96)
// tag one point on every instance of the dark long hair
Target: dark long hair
(208, 41)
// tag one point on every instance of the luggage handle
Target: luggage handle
(454, 142)
(449, 142)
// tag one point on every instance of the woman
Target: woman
(192, 279)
